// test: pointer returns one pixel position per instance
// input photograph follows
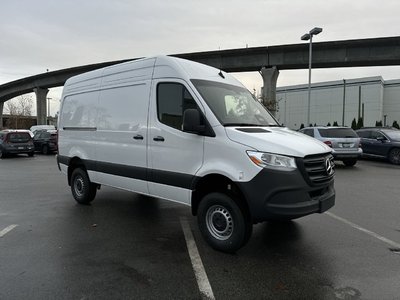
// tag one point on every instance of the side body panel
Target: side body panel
(121, 136)
(78, 119)
(101, 114)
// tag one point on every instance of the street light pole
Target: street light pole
(48, 109)
(306, 37)
(309, 81)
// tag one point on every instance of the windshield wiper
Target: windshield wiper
(252, 125)
(243, 124)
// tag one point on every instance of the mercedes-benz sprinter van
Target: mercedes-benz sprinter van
(186, 132)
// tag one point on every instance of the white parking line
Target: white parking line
(7, 230)
(369, 232)
(197, 264)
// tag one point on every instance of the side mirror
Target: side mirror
(191, 121)
(381, 139)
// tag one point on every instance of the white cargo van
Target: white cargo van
(190, 133)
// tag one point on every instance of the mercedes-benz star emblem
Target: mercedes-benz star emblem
(328, 167)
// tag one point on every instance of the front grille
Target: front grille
(315, 168)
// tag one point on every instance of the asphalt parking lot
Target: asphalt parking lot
(127, 246)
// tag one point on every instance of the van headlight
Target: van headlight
(273, 161)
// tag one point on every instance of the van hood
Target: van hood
(279, 140)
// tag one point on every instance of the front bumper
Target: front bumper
(282, 195)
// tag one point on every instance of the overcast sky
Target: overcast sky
(55, 34)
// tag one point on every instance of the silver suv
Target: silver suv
(344, 142)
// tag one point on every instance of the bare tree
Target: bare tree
(25, 105)
(11, 108)
(17, 108)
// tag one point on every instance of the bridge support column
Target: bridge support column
(1, 114)
(41, 109)
(270, 77)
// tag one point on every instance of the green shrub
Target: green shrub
(354, 124)
(360, 123)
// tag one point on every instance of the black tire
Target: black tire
(394, 156)
(2, 154)
(45, 149)
(224, 225)
(350, 162)
(31, 154)
(82, 189)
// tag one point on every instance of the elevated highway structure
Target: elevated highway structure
(268, 60)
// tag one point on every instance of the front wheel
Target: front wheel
(394, 156)
(223, 224)
(82, 189)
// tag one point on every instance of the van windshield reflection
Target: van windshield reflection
(233, 105)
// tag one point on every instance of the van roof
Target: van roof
(146, 69)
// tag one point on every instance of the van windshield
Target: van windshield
(233, 105)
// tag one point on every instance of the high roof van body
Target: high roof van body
(189, 133)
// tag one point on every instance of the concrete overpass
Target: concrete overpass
(268, 60)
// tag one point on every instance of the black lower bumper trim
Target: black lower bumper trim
(281, 195)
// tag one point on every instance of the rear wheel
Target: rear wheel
(45, 149)
(394, 156)
(2, 154)
(350, 162)
(223, 224)
(82, 189)
(30, 154)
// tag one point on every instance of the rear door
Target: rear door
(365, 139)
(174, 156)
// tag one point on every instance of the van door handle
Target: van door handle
(138, 137)
(158, 139)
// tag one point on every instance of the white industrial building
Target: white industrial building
(371, 98)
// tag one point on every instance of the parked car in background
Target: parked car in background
(381, 142)
(344, 142)
(46, 141)
(42, 127)
(15, 142)
(20, 130)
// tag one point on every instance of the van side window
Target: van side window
(172, 100)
